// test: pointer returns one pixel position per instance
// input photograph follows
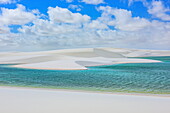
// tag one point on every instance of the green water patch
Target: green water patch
(128, 78)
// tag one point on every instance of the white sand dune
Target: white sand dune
(108, 54)
(72, 59)
(19, 100)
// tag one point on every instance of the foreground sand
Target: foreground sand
(20, 100)
(77, 59)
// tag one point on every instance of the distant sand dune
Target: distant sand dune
(108, 54)
(82, 54)
(71, 59)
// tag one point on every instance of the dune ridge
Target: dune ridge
(77, 59)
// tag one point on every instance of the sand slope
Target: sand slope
(72, 59)
(19, 100)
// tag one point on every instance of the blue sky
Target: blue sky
(42, 5)
(29, 25)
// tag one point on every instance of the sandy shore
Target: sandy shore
(77, 59)
(21, 100)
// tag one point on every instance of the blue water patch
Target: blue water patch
(137, 77)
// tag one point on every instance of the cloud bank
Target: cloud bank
(62, 28)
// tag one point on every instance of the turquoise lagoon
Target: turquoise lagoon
(128, 78)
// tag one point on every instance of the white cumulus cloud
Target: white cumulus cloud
(63, 15)
(158, 10)
(132, 1)
(122, 19)
(94, 2)
(75, 7)
(96, 24)
(7, 1)
(18, 16)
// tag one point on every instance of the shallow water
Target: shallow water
(138, 78)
